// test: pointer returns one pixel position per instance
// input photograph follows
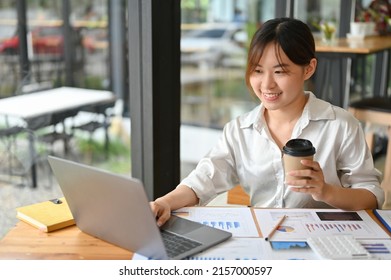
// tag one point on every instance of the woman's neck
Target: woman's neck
(281, 122)
(287, 115)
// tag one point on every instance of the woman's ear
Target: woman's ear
(310, 68)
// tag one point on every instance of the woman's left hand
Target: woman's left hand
(310, 181)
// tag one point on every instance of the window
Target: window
(215, 36)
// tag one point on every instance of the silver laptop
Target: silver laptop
(115, 208)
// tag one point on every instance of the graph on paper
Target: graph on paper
(224, 225)
(238, 221)
(302, 223)
(337, 227)
(380, 249)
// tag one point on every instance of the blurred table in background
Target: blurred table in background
(49, 102)
(335, 61)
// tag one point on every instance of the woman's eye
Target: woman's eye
(280, 72)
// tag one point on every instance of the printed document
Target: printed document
(303, 223)
(237, 220)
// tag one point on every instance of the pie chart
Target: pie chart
(285, 229)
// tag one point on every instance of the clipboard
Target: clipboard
(384, 216)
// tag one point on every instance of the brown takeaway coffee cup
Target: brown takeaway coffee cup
(293, 152)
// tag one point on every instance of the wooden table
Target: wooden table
(334, 66)
(26, 242)
(47, 102)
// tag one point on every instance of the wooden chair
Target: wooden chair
(377, 110)
(387, 202)
(238, 196)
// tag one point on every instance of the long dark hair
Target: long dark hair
(293, 36)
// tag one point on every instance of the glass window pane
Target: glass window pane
(316, 11)
(90, 65)
(215, 36)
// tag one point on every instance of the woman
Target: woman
(281, 59)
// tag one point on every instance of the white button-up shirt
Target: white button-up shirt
(246, 154)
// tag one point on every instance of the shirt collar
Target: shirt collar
(315, 110)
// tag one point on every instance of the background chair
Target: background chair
(59, 129)
(44, 134)
(376, 110)
(99, 118)
(8, 138)
(52, 128)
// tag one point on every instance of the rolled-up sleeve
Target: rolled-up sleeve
(215, 173)
(356, 167)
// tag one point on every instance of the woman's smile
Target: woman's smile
(271, 96)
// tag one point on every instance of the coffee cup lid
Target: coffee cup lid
(299, 148)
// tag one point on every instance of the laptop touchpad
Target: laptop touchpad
(180, 225)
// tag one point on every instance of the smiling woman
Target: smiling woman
(341, 174)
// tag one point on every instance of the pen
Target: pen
(275, 228)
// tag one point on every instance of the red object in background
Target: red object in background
(9, 45)
(45, 40)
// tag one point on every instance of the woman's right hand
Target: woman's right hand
(161, 211)
(181, 196)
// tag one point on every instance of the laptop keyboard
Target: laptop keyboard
(176, 244)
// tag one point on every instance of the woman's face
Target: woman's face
(279, 84)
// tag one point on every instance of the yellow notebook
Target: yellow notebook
(48, 215)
